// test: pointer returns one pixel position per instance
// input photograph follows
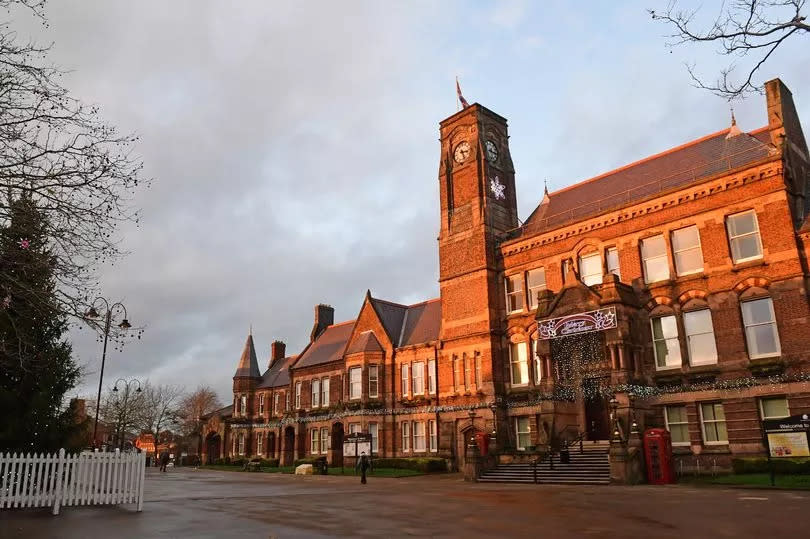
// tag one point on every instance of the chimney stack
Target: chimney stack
(324, 317)
(783, 120)
(277, 351)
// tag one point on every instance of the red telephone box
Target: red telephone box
(658, 455)
(482, 439)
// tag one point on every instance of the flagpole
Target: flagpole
(458, 101)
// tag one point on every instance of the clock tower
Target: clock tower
(478, 207)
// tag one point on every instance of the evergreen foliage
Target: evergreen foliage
(36, 364)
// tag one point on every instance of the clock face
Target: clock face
(492, 151)
(462, 152)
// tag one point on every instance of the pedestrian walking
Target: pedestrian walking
(363, 464)
(164, 460)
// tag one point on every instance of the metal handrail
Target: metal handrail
(579, 439)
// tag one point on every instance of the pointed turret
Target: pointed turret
(248, 364)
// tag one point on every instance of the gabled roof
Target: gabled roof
(649, 177)
(278, 375)
(405, 325)
(365, 342)
(248, 365)
(422, 323)
(391, 315)
(328, 346)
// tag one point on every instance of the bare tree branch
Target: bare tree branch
(744, 29)
(79, 171)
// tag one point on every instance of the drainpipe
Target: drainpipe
(436, 376)
(393, 403)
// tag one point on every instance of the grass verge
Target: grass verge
(754, 480)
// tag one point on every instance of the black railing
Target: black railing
(564, 446)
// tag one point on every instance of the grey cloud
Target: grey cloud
(295, 156)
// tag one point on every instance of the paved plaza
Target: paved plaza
(201, 504)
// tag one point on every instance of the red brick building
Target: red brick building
(676, 284)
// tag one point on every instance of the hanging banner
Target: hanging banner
(598, 320)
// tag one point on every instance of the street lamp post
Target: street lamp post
(127, 391)
(92, 314)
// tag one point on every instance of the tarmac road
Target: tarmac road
(201, 504)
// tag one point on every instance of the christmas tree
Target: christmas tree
(36, 364)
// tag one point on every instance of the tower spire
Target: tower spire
(248, 366)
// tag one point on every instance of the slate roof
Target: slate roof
(225, 411)
(328, 346)
(278, 375)
(422, 323)
(649, 177)
(391, 315)
(365, 342)
(248, 365)
(405, 325)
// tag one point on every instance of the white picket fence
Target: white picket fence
(42, 480)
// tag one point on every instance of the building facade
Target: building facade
(675, 287)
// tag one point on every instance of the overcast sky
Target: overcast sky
(294, 151)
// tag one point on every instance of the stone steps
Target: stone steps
(591, 467)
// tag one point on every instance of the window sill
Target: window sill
(766, 365)
(716, 447)
(765, 357)
(703, 366)
(696, 276)
(746, 264)
(668, 369)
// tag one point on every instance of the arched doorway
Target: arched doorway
(464, 437)
(336, 445)
(212, 447)
(582, 374)
(288, 449)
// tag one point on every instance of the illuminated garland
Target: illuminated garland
(642, 392)
(366, 412)
(565, 394)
